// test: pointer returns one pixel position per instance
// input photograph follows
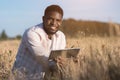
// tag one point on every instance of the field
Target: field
(98, 58)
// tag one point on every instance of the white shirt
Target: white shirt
(35, 43)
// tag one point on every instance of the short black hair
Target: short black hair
(54, 8)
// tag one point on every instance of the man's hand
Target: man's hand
(57, 63)
(60, 61)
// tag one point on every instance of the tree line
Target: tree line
(77, 28)
(4, 36)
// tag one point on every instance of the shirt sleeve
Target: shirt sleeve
(64, 41)
(34, 45)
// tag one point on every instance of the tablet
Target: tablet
(66, 53)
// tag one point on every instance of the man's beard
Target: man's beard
(50, 32)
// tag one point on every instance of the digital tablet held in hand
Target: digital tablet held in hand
(67, 53)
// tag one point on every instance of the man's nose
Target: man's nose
(54, 22)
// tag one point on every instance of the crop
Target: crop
(98, 59)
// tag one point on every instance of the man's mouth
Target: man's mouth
(53, 28)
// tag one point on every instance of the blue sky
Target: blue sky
(18, 15)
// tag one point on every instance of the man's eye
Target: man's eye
(49, 18)
(58, 20)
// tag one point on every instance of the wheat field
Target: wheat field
(98, 58)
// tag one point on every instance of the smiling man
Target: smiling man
(37, 42)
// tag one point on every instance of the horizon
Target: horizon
(17, 16)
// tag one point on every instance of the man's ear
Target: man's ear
(43, 18)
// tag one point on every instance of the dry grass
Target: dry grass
(8, 50)
(98, 59)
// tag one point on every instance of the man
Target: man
(37, 42)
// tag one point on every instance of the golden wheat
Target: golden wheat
(8, 50)
(98, 58)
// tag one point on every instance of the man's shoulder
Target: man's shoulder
(36, 27)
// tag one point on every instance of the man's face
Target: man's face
(51, 22)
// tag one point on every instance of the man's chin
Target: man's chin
(52, 32)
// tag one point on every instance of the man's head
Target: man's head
(52, 19)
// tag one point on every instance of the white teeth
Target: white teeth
(53, 27)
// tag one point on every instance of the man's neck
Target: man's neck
(50, 36)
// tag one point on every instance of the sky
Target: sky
(18, 15)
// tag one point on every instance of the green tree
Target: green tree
(3, 35)
(18, 37)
